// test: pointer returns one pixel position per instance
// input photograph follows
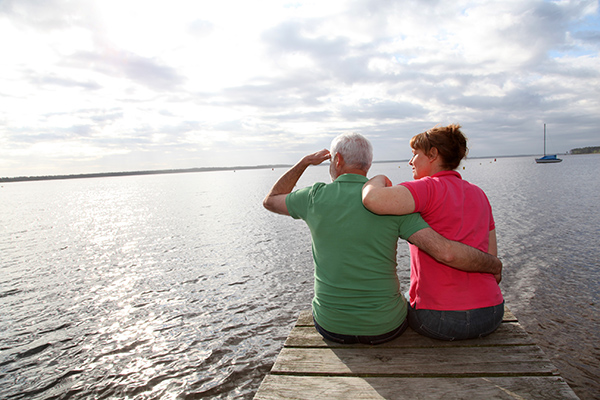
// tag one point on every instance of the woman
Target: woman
(445, 303)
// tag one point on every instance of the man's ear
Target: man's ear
(338, 160)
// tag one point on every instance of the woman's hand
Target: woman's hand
(381, 197)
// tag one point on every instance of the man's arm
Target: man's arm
(456, 254)
(275, 200)
(493, 250)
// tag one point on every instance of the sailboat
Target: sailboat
(547, 158)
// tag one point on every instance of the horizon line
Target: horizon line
(183, 170)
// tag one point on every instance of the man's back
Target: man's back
(356, 286)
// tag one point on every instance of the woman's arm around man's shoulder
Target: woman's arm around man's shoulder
(380, 197)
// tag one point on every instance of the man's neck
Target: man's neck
(349, 170)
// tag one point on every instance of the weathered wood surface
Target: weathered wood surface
(305, 317)
(277, 387)
(509, 333)
(503, 365)
(452, 361)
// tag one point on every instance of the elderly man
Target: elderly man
(357, 296)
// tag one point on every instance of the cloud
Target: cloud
(126, 65)
(65, 82)
(201, 84)
(368, 109)
(47, 15)
(201, 28)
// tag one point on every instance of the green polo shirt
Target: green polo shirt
(356, 286)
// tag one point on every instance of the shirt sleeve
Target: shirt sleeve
(298, 202)
(420, 192)
(410, 224)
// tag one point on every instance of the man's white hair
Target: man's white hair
(355, 148)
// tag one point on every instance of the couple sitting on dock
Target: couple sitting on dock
(355, 224)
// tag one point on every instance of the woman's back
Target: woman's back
(458, 211)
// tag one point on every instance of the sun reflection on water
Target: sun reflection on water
(156, 287)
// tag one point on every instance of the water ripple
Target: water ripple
(153, 287)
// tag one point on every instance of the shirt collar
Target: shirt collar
(447, 173)
(352, 178)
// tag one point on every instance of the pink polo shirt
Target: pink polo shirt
(457, 210)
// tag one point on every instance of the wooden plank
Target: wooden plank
(504, 365)
(305, 317)
(508, 334)
(281, 387)
(508, 315)
(449, 361)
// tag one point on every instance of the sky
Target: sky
(105, 85)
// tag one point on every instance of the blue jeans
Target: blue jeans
(353, 339)
(456, 325)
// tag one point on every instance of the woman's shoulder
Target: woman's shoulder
(474, 191)
(453, 181)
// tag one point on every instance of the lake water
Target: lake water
(183, 286)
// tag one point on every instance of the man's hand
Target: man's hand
(275, 200)
(316, 158)
(455, 254)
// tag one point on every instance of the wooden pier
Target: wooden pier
(504, 365)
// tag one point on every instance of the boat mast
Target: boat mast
(544, 139)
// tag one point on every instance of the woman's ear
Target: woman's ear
(433, 154)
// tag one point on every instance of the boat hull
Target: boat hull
(547, 160)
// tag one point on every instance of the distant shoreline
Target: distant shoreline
(134, 173)
(180, 171)
(150, 172)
